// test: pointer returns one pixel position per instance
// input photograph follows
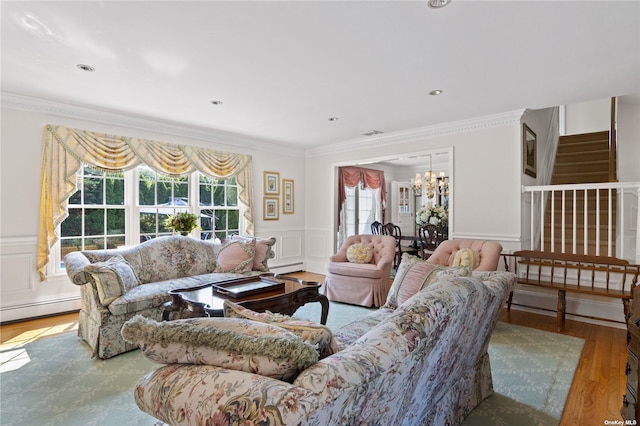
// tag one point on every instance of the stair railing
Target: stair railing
(622, 240)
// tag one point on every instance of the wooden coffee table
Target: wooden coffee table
(208, 300)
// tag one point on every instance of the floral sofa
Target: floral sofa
(419, 360)
(118, 284)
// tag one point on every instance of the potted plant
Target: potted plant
(182, 222)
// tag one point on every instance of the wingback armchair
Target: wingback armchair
(488, 251)
(365, 284)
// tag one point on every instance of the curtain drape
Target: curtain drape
(66, 149)
(352, 176)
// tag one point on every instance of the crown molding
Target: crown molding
(455, 127)
(137, 122)
(99, 115)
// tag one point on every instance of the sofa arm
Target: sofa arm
(74, 263)
(186, 394)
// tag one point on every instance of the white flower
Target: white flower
(434, 215)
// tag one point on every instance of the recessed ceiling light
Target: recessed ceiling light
(435, 92)
(216, 102)
(84, 67)
(333, 118)
(436, 4)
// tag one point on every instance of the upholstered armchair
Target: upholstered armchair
(488, 251)
(365, 284)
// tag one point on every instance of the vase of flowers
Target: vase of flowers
(432, 215)
(182, 222)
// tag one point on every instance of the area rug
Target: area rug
(54, 381)
(532, 374)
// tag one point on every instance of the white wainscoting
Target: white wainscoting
(22, 294)
(318, 250)
(289, 253)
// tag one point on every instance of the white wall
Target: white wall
(21, 293)
(544, 123)
(628, 142)
(588, 117)
(485, 195)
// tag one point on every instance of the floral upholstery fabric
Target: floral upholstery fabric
(161, 264)
(313, 333)
(233, 343)
(424, 363)
(113, 278)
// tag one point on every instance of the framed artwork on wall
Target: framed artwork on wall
(271, 183)
(287, 196)
(530, 151)
(270, 208)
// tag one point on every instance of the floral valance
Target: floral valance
(66, 149)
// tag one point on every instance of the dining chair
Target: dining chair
(395, 231)
(376, 228)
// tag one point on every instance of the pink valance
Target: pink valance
(351, 176)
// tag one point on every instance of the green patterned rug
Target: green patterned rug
(54, 381)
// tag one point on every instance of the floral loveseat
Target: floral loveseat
(419, 360)
(117, 284)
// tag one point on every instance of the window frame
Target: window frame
(132, 209)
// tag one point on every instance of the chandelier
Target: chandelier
(429, 183)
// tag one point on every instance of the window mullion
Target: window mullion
(131, 207)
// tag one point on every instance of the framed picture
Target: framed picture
(271, 183)
(529, 150)
(287, 196)
(271, 208)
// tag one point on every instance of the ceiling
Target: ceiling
(282, 69)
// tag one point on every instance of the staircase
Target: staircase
(582, 158)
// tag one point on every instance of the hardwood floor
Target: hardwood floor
(596, 392)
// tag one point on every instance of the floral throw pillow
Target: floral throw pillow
(359, 253)
(311, 332)
(233, 343)
(236, 256)
(113, 278)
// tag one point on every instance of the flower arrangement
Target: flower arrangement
(182, 222)
(434, 215)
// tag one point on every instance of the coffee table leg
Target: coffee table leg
(324, 302)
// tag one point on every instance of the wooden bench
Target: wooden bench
(595, 275)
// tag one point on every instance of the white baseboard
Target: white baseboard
(22, 312)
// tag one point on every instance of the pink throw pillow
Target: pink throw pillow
(263, 251)
(236, 256)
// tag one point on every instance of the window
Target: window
(364, 201)
(219, 209)
(158, 197)
(107, 211)
(97, 216)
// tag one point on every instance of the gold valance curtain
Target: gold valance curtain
(351, 176)
(66, 149)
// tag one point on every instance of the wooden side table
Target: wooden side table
(205, 301)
